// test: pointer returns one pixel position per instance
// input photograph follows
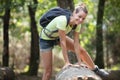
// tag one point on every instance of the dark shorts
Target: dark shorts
(46, 45)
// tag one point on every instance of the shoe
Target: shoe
(100, 72)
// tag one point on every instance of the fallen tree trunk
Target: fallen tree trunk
(76, 73)
(6, 73)
(114, 75)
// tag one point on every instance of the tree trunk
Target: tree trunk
(68, 4)
(6, 19)
(99, 37)
(34, 59)
(114, 75)
(7, 73)
(76, 73)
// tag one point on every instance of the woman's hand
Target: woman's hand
(80, 65)
(67, 65)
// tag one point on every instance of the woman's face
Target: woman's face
(79, 17)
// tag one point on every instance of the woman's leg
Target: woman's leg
(86, 59)
(83, 55)
(46, 47)
(46, 58)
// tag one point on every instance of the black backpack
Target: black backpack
(52, 13)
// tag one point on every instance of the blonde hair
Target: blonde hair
(82, 7)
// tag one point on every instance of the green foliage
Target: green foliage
(112, 20)
(112, 17)
(43, 6)
(116, 67)
(19, 22)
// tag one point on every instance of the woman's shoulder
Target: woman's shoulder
(61, 17)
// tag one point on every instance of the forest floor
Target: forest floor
(26, 77)
(22, 76)
(114, 75)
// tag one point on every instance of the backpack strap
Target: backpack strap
(68, 16)
(49, 35)
(74, 27)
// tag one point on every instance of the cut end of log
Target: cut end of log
(76, 73)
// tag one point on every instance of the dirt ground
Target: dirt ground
(25, 77)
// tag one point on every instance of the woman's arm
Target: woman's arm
(62, 37)
(76, 46)
(81, 53)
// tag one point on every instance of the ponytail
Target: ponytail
(81, 7)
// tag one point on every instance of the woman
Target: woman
(66, 43)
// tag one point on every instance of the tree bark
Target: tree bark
(6, 19)
(34, 56)
(99, 37)
(114, 75)
(68, 4)
(7, 73)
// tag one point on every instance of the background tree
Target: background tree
(6, 19)
(34, 56)
(68, 4)
(17, 43)
(99, 35)
(112, 35)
